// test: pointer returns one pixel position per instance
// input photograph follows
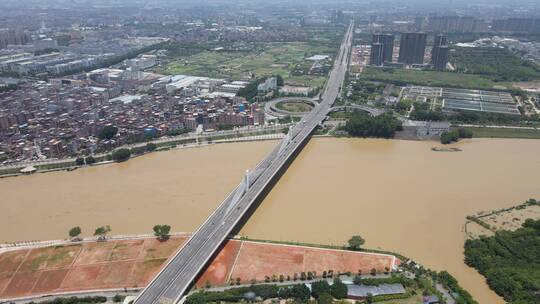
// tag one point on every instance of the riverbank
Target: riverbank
(161, 144)
(487, 223)
(498, 132)
(399, 195)
(392, 192)
(131, 263)
(254, 134)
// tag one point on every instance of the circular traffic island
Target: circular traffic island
(290, 106)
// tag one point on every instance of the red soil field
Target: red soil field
(144, 271)
(21, 284)
(10, 261)
(81, 277)
(50, 280)
(128, 250)
(133, 263)
(95, 252)
(258, 260)
(218, 271)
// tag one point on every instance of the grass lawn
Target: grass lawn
(505, 133)
(416, 299)
(429, 78)
(294, 107)
(270, 58)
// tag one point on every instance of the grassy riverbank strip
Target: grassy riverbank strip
(485, 132)
(324, 246)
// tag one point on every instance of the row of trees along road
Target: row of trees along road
(162, 232)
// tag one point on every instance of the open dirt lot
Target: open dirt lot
(133, 263)
(258, 260)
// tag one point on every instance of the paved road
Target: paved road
(175, 279)
(370, 110)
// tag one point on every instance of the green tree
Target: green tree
(150, 147)
(319, 287)
(325, 298)
(75, 232)
(338, 289)
(449, 137)
(79, 161)
(362, 125)
(108, 132)
(118, 298)
(300, 292)
(510, 261)
(162, 231)
(279, 80)
(101, 232)
(369, 298)
(355, 242)
(89, 160)
(121, 155)
(465, 133)
(250, 91)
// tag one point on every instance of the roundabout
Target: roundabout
(301, 106)
(293, 106)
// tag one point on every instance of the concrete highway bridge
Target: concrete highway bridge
(178, 275)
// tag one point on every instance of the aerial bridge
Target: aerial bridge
(178, 275)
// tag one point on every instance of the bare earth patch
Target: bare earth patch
(133, 263)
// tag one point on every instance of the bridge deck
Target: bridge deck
(174, 280)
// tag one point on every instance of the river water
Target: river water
(399, 195)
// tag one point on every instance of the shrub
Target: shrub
(108, 132)
(380, 298)
(79, 161)
(150, 147)
(325, 298)
(465, 133)
(90, 160)
(449, 137)
(74, 232)
(320, 287)
(118, 298)
(121, 155)
(338, 290)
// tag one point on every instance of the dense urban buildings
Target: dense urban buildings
(12, 37)
(439, 53)
(518, 25)
(456, 24)
(376, 56)
(65, 117)
(412, 48)
(387, 43)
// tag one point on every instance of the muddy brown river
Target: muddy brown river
(399, 195)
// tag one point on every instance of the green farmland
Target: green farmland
(266, 59)
(429, 78)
